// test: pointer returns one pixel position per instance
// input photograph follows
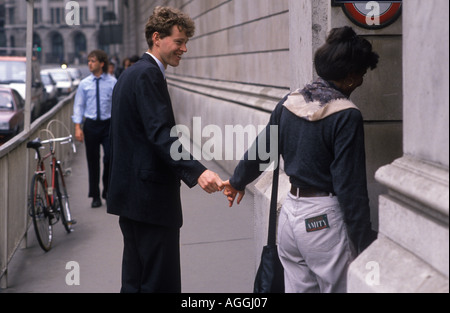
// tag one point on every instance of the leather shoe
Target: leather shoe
(96, 203)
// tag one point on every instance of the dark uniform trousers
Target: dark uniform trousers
(96, 134)
(151, 258)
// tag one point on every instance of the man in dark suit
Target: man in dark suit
(145, 180)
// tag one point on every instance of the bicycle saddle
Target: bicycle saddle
(35, 144)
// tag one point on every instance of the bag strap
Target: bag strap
(271, 240)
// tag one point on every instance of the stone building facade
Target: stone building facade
(248, 54)
(64, 31)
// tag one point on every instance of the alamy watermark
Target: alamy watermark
(373, 276)
(373, 16)
(73, 276)
(228, 143)
(73, 13)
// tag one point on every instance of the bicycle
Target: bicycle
(49, 201)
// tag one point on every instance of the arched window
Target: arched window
(57, 54)
(80, 47)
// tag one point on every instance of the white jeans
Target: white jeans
(313, 245)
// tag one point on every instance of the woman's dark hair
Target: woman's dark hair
(344, 53)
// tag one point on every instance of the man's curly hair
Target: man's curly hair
(162, 21)
(101, 57)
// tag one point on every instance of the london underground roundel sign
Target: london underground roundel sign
(371, 14)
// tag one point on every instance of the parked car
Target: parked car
(63, 79)
(13, 75)
(50, 88)
(11, 113)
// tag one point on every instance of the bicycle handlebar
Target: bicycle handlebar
(68, 140)
(62, 141)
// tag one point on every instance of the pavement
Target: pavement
(217, 245)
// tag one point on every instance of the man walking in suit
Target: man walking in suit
(145, 180)
(92, 107)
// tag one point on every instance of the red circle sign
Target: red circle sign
(371, 14)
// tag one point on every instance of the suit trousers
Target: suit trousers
(151, 258)
(96, 134)
(314, 246)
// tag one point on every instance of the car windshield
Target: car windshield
(76, 74)
(12, 72)
(46, 79)
(5, 101)
(60, 76)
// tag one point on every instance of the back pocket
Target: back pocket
(321, 231)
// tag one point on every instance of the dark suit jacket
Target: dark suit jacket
(145, 180)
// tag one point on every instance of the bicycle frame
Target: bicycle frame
(40, 168)
(50, 195)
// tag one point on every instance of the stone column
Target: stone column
(308, 27)
(45, 12)
(92, 14)
(412, 252)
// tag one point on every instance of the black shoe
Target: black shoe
(96, 203)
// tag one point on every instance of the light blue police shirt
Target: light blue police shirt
(85, 105)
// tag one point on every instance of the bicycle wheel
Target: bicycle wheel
(63, 198)
(40, 212)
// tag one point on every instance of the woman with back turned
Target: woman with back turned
(325, 221)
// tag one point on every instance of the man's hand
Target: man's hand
(79, 135)
(231, 193)
(210, 182)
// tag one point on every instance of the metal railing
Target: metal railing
(16, 167)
